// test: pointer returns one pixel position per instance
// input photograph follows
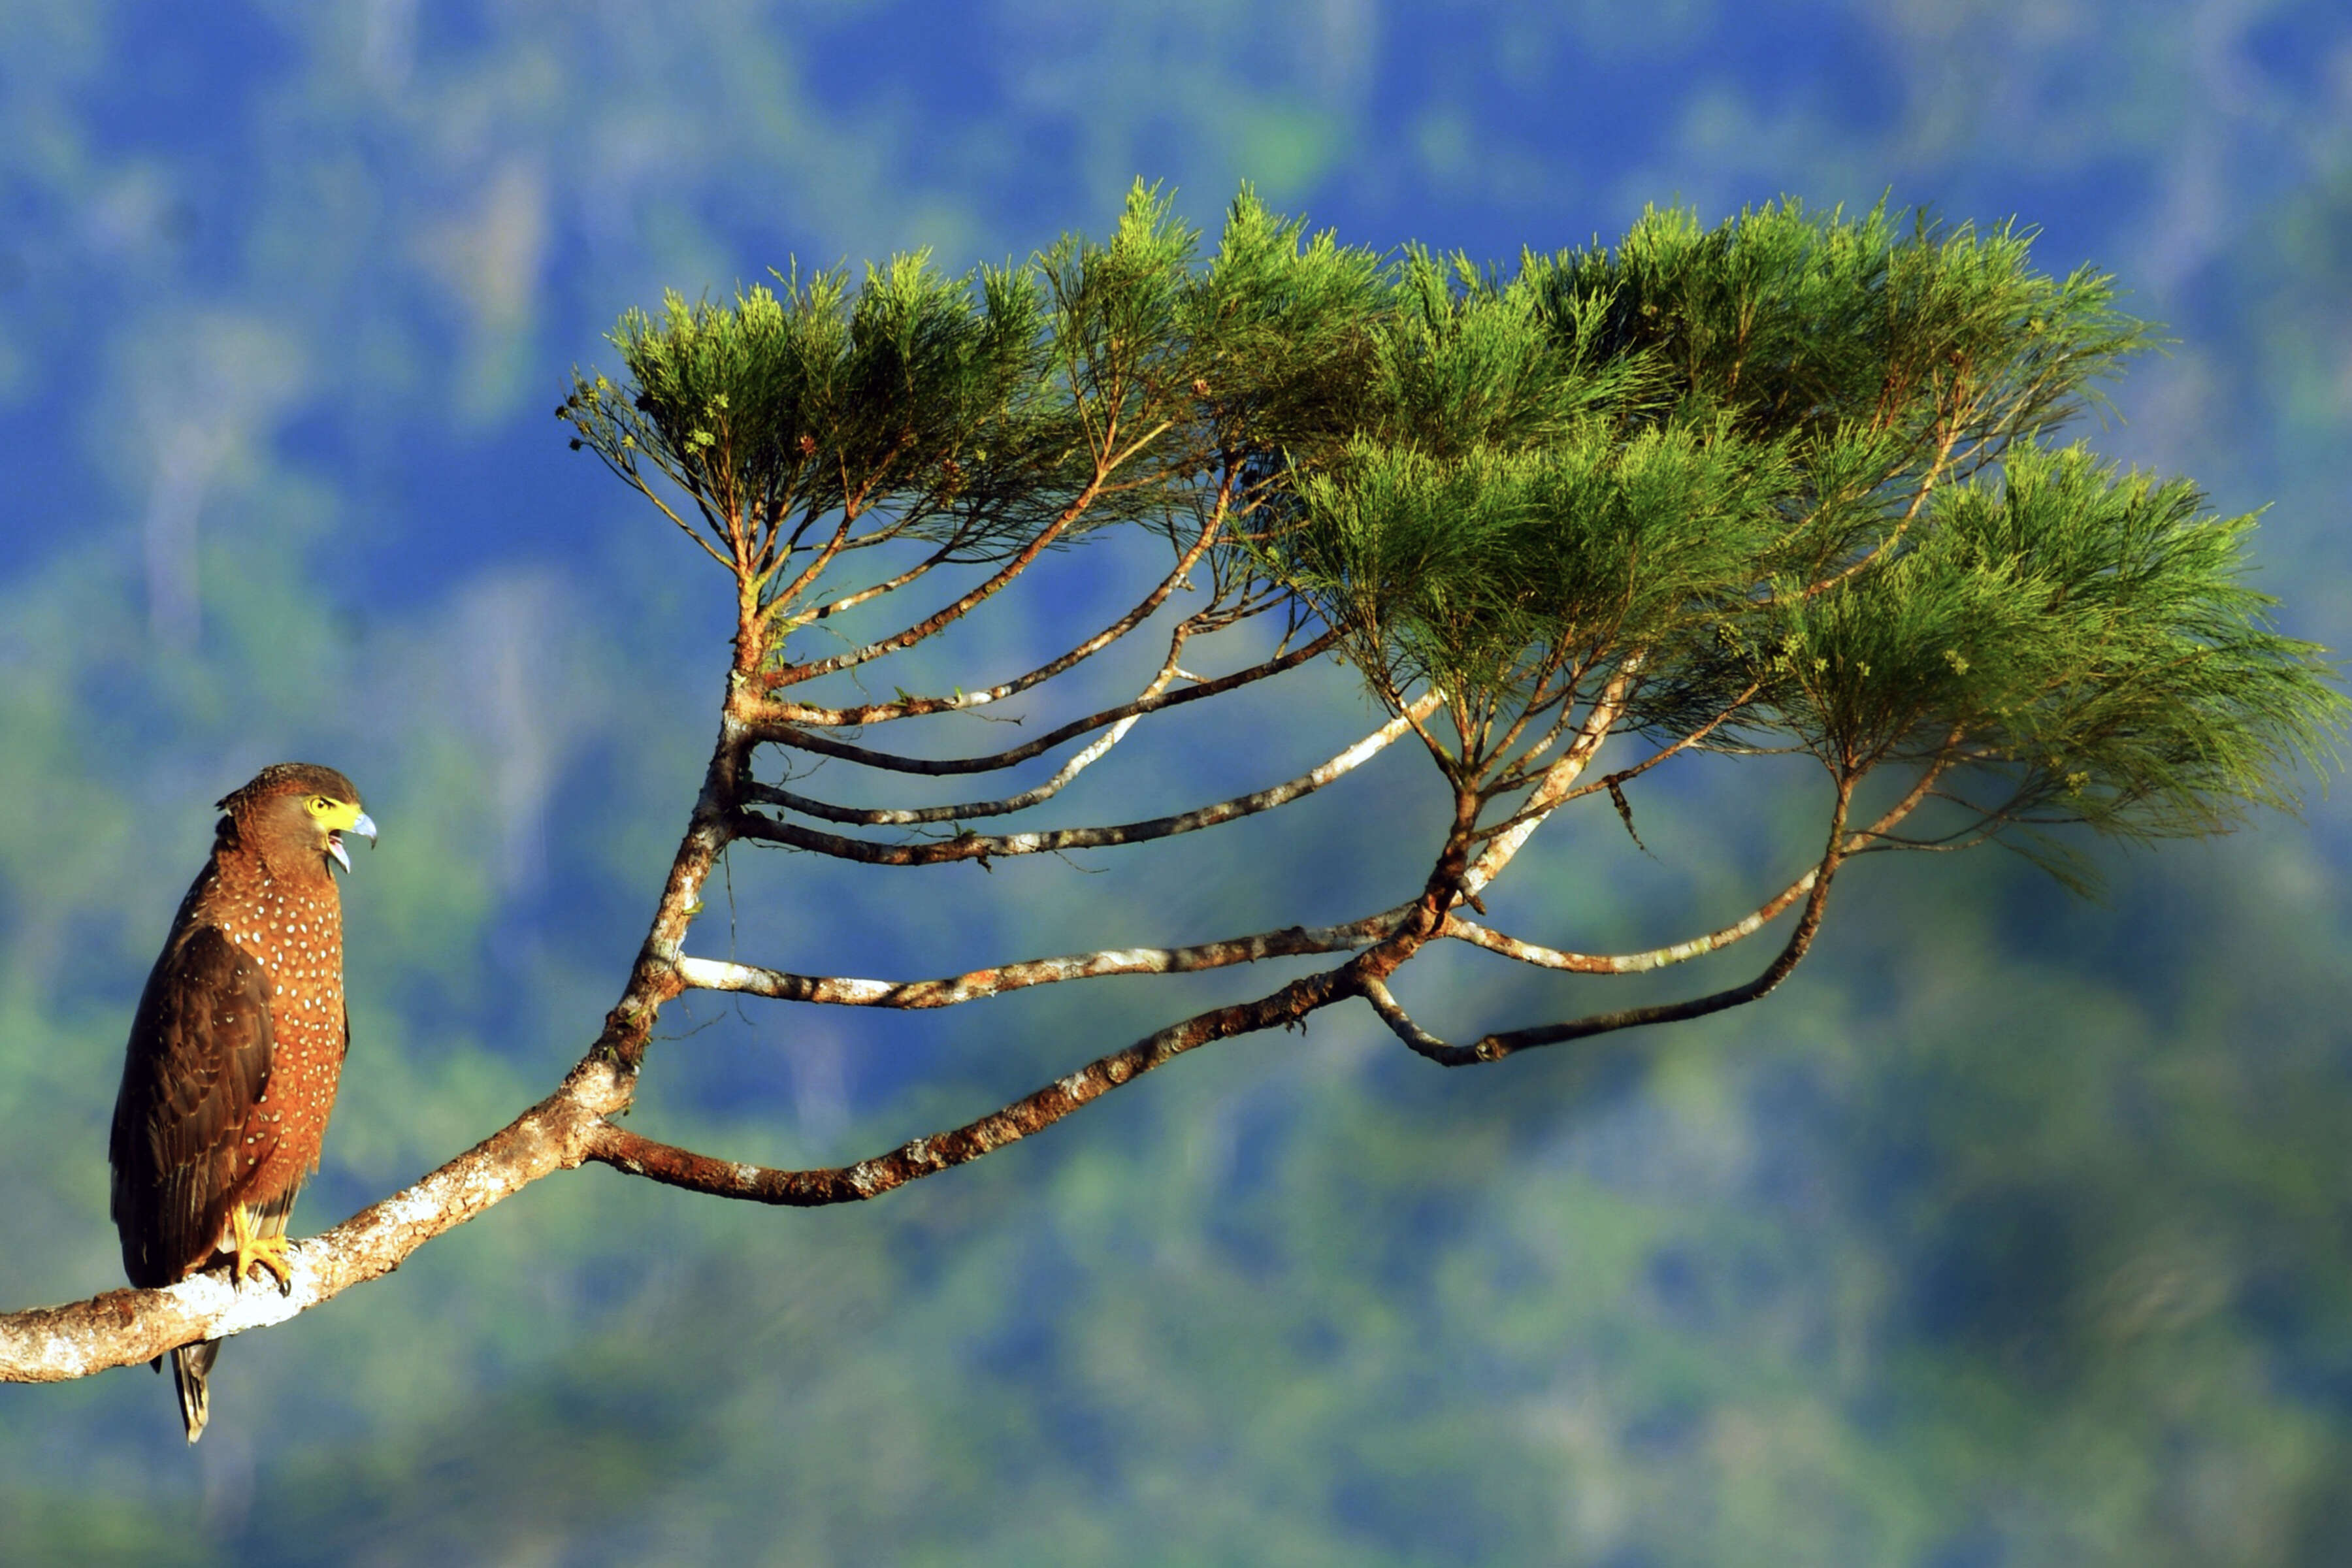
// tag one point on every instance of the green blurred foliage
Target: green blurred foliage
(2013, 1231)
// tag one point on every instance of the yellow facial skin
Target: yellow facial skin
(337, 817)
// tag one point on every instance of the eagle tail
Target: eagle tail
(191, 1366)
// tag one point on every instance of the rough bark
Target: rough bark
(123, 1328)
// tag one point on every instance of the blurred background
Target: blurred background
(2015, 1229)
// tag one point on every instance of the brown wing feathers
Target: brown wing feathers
(199, 1058)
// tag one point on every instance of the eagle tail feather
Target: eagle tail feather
(191, 1366)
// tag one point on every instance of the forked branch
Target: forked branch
(916, 707)
(1496, 1046)
(1712, 941)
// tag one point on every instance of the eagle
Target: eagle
(237, 1048)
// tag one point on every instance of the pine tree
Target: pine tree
(1789, 485)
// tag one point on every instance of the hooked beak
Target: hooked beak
(361, 824)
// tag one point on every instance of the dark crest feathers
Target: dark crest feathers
(290, 778)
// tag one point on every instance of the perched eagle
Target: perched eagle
(236, 1047)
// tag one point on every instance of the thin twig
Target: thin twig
(780, 723)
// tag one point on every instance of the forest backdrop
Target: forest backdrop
(2011, 1230)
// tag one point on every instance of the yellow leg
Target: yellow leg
(255, 1250)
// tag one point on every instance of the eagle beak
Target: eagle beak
(362, 824)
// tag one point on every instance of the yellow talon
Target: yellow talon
(255, 1250)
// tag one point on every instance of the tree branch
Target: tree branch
(911, 708)
(964, 811)
(1170, 668)
(714, 974)
(850, 601)
(780, 723)
(938, 620)
(983, 846)
(1558, 779)
(1659, 957)
(123, 1328)
(1495, 1048)
(1622, 776)
(921, 1157)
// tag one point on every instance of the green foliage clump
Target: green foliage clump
(1488, 570)
(798, 404)
(1786, 482)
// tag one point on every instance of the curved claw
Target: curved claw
(257, 1250)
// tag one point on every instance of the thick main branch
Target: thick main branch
(123, 1328)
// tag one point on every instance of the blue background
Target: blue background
(2013, 1230)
